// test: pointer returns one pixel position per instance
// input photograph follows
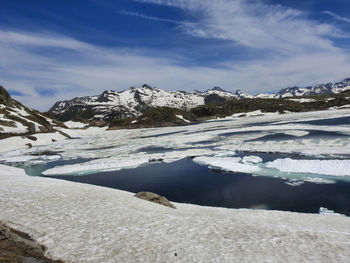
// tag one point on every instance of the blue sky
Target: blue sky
(54, 50)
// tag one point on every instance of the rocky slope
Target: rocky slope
(111, 105)
(16, 119)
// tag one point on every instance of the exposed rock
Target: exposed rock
(30, 137)
(16, 246)
(155, 198)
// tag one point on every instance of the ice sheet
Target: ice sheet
(100, 165)
(326, 167)
(231, 164)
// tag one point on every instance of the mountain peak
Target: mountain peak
(146, 86)
(218, 89)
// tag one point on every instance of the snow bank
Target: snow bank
(325, 167)
(251, 159)
(75, 125)
(19, 142)
(28, 158)
(19, 127)
(325, 211)
(11, 171)
(182, 118)
(297, 133)
(100, 165)
(86, 223)
(230, 164)
(303, 100)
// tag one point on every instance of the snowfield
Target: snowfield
(85, 223)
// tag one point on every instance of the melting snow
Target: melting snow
(100, 165)
(75, 125)
(231, 164)
(86, 223)
(326, 167)
(182, 118)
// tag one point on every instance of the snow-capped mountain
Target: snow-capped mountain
(132, 102)
(329, 88)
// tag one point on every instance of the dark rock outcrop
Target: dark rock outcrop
(155, 198)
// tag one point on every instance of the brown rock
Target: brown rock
(19, 247)
(152, 197)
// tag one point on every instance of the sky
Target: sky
(61, 49)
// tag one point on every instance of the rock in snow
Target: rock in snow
(152, 197)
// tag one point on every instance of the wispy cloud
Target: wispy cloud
(297, 51)
(154, 18)
(256, 25)
(337, 17)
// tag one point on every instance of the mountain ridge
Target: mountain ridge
(110, 105)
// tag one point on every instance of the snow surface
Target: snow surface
(182, 118)
(303, 100)
(19, 127)
(86, 223)
(231, 164)
(327, 167)
(19, 142)
(75, 124)
(106, 164)
(252, 159)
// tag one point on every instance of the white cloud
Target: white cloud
(338, 17)
(256, 25)
(296, 51)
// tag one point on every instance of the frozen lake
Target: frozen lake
(185, 181)
(292, 162)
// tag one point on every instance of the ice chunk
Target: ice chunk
(325, 211)
(326, 167)
(99, 165)
(29, 158)
(230, 164)
(225, 154)
(252, 159)
(297, 133)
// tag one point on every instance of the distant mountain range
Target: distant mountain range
(133, 102)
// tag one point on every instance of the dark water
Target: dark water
(313, 134)
(162, 134)
(186, 182)
(274, 137)
(332, 121)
